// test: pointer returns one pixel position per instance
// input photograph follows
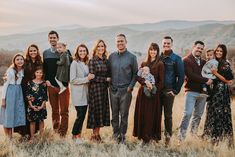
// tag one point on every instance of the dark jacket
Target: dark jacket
(174, 72)
(194, 79)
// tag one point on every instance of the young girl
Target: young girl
(62, 74)
(12, 110)
(37, 97)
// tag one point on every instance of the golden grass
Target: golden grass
(52, 145)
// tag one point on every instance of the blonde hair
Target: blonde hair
(96, 46)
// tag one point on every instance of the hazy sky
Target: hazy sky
(23, 15)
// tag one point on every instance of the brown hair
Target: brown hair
(153, 46)
(76, 55)
(105, 54)
(13, 65)
(224, 49)
(38, 57)
(53, 32)
(36, 69)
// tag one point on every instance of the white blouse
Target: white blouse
(10, 74)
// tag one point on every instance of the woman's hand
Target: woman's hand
(48, 83)
(35, 108)
(108, 79)
(4, 103)
(90, 76)
(148, 84)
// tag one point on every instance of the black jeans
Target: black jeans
(81, 114)
(167, 105)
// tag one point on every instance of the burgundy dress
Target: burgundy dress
(147, 116)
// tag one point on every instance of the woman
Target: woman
(79, 78)
(218, 125)
(147, 116)
(98, 112)
(33, 59)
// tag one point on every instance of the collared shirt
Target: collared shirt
(123, 68)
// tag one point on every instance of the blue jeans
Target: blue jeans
(194, 102)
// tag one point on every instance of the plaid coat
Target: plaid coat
(98, 102)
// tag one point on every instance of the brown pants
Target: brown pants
(59, 104)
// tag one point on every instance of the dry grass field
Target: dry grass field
(51, 145)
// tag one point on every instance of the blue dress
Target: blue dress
(13, 114)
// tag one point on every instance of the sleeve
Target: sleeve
(160, 78)
(74, 78)
(134, 72)
(28, 91)
(9, 76)
(109, 68)
(45, 96)
(228, 72)
(180, 75)
(191, 75)
(45, 66)
(62, 60)
(92, 70)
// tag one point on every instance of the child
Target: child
(62, 74)
(211, 63)
(144, 72)
(37, 97)
(13, 109)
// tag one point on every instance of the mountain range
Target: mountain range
(139, 36)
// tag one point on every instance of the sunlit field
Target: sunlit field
(52, 145)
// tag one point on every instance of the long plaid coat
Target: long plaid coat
(98, 102)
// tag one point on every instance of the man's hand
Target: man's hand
(129, 89)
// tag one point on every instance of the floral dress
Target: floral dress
(218, 124)
(37, 93)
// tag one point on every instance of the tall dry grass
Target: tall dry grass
(52, 145)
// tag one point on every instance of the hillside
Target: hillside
(184, 34)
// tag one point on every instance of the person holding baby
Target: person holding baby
(147, 116)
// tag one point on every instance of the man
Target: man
(123, 66)
(194, 81)
(59, 102)
(174, 78)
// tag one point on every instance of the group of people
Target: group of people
(108, 80)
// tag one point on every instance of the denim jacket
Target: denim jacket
(174, 72)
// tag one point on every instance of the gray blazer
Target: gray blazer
(79, 83)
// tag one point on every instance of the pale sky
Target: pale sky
(18, 16)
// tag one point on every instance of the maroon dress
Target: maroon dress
(147, 116)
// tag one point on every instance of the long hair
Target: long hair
(14, 66)
(76, 53)
(38, 58)
(153, 46)
(105, 54)
(224, 49)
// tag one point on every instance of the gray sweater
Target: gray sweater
(123, 68)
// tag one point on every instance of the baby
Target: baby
(144, 72)
(211, 63)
